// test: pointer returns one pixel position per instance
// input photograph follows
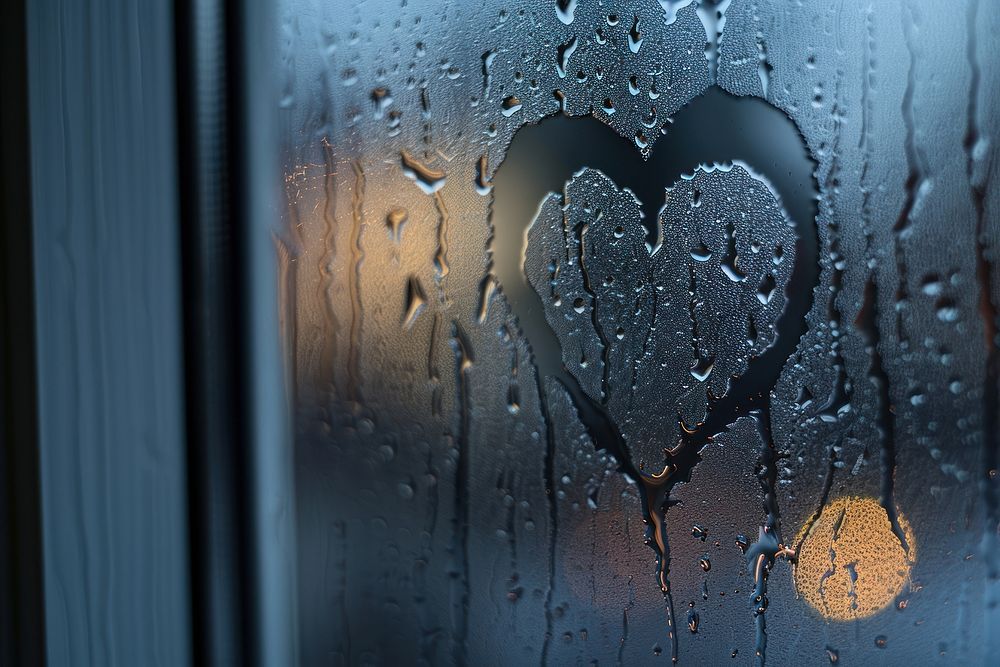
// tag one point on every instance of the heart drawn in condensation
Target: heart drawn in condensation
(734, 235)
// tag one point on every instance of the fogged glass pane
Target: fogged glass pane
(624, 332)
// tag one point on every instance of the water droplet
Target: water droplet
(760, 602)
(395, 118)
(932, 286)
(565, 10)
(693, 619)
(947, 310)
(702, 253)
(560, 98)
(381, 99)
(394, 222)
(510, 106)
(634, 36)
(701, 370)
(766, 290)
(700, 532)
(365, 426)
(429, 180)
(483, 185)
(563, 53)
(416, 299)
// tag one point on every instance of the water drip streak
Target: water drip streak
(441, 254)
(488, 283)
(832, 570)
(914, 183)
(425, 114)
(714, 127)
(488, 57)
(513, 382)
(990, 312)
(486, 287)
(463, 361)
(769, 544)
(354, 286)
(645, 341)
(868, 319)
(331, 325)
(713, 18)
(867, 128)
(838, 396)
(824, 496)
(581, 235)
(915, 180)
(549, 479)
(655, 493)
(433, 373)
(692, 305)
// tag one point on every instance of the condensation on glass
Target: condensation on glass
(629, 331)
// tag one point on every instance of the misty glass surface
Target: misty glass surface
(624, 332)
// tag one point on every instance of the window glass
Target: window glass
(629, 331)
